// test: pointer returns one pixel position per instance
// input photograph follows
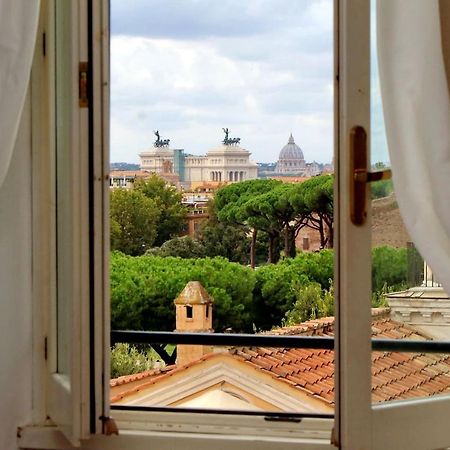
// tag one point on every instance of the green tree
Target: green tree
(311, 302)
(238, 204)
(143, 290)
(134, 219)
(224, 239)
(182, 247)
(276, 285)
(389, 269)
(168, 200)
(313, 203)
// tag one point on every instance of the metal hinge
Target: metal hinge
(83, 84)
(360, 176)
(109, 426)
(44, 44)
(45, 348)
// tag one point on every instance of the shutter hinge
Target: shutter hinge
(45, 348)
(44, 44)
(83, 85)
(109, 426)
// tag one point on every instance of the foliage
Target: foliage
(168, 200)
(382, 188)
(389, 267)
(276, 285)
(279, 211)
(241, 204)
(311, 302)
(182, 247)
(143, 290)
(224, 239)
(127, 359)
(313, 205)
(379, 297)
(134, 219)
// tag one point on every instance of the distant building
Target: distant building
(291, 162)
(126, 178)
(226, 163)
(197, 206)
(266, 170)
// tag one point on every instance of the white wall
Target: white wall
(15, 290)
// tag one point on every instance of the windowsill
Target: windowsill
(175, 430)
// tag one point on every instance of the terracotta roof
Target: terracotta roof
(150, 378)
(394, 375)
(126, 379)
(128, 173)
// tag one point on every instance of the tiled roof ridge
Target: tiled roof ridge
(124, 379)
(171, 370)
(323, 323)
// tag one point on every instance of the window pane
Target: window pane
(410, 302)
(222, 144)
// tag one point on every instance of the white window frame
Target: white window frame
(60, 399)
(357, 424)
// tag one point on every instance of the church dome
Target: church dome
(291, 150)
(291, 159)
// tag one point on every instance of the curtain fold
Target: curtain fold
(18, 25)
(416, 109)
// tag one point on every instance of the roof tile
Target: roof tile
(395, 375)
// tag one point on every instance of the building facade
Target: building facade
(226, 163)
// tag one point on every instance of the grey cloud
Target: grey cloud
(194, 19)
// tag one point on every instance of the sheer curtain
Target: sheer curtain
(18, 24)
(412, 38)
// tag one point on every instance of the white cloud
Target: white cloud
(263, 84)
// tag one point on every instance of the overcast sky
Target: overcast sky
(188, 68)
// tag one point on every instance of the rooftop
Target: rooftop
(395, 376)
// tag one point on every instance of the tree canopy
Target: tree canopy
(134, 221)
(143, 290)
(168, 199)
(279, 210)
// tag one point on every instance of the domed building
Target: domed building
(291, 160)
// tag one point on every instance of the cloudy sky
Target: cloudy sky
(188, 68)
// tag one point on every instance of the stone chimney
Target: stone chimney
(193, 308)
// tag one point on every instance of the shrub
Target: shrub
(127, 359)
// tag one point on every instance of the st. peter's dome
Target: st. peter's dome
(291, 159)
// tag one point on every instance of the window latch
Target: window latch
(360, 176)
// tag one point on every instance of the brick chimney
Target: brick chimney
(193, 308)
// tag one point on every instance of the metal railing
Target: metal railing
(270, 340)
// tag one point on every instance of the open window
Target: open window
(72, 198)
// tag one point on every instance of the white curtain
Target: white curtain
(416, 108)
(18, 24)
